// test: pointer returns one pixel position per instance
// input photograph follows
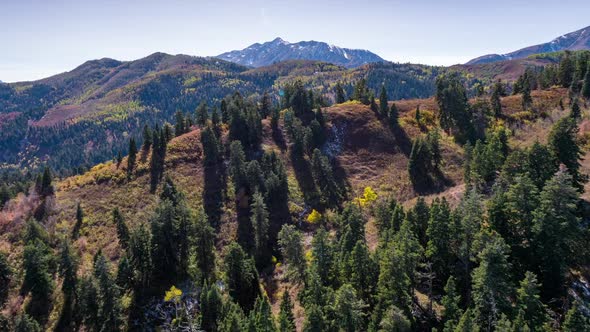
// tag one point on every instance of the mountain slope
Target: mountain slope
(258, 55)
(573, 41)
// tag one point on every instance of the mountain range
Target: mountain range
(258, 55)
(573, 41)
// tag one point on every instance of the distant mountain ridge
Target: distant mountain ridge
(573, 41)
(259, 55)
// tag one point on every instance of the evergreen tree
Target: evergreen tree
(497, 93)
(540, 163)
(5, 278)
(46, 188)
(340, 95)
(564, 144)
(261, 317)
(147, 138)
(451, 301)
(349, 309)
(110, 311)
(491, 287)
(204, 245)
(528, 302)
(383, 105)
(79, 221)
(438, 249)
(419, 165)
(88, 303)
(122, 230)
(202, 114)
(286, 319)
(140, 249)
(24, 323)
(364, 272)
(68, 267)
(393, 116)
(259, 220)
(38, 279)
(225, 117)
(179, 127)
(454, 117)
(395, 320)
(576, 112)
(314, 319)
(467, 323)
(291, 246)
(469, 218)
(566, 70)
(323, 255)
(556, 231)
(265, 105)
(131, 158)
(241, 276)
(575, 320)
(361, 92)
(211, 307)
(527, 100)
(125, 274)
(586, 86)
(326, 183)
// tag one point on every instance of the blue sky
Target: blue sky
(40, 38)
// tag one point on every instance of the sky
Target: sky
(40, 38)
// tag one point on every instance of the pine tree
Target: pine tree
(68, 267)
(491, 287)
(211, 307)
(79, 221)
(46, 188)
(575, 320)
(110, 311)
(454, 116)
(395, 320)
(467, 323)
(497, 93)
(566, 70)
(576, 112)
(528, 302)
(38, 280)
(147, 138)
(323, 255)
(204, 245)
(122, 229)
(241, 276)
(527, 100)
(265, 105)
(451, 301)
(88, 303)
(349, 309)
(125, 274)
(556, 231)
(140, 249)
(286, 319)
(330, 191)
(586, 87)
(291, 246)
(259, 220)
(180, 125)
(314, 319)
(340, 95)
(202, 114)
(5, 277)
(225, 117)
(393, 116)
(364, 272)
(383, 103)
(564, 144)
(418, 117)
(24, 323)
(438, 249)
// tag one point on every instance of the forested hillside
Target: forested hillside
(243, 200)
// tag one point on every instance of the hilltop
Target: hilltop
(573, 41)
(278, 50)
